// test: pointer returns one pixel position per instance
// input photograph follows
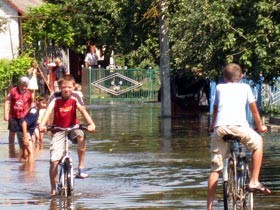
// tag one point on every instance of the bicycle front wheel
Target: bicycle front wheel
(68, 179)
(65, 183)
(229, 187)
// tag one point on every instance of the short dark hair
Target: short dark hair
(232, 72)
(46, 58)
(66, 78)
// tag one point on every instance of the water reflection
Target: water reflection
(60, 203)
(136, 160)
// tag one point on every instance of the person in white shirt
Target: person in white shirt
(91, 58)
(229, 117)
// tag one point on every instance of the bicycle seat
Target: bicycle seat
(230, 137)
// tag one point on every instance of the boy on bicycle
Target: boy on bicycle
(64, 105)
(229, 117)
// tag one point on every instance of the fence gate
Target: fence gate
(101, 86)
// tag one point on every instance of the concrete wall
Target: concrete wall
(9, 39)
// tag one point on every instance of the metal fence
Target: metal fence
(267, 96)
(120, 85)
(271, 95)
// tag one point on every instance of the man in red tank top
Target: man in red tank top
(64, 105)
(16, 106)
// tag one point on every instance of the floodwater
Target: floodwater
(136, 160)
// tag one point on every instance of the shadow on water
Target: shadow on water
(136, 160)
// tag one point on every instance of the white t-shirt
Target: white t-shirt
(91, 59)
(232, 100)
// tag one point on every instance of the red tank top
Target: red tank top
(65, 110)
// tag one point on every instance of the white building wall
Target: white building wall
(9, 39)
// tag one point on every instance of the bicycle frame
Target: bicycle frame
(65, 185)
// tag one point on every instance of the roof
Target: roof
(22, 6)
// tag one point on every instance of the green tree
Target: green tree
(12, 70)
(207, 34)
(119, 25)
(204, 35)
(46, 27)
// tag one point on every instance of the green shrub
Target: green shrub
(5, 74)
(12, 70)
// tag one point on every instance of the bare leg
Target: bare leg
(31, 150)
(81, 151)
(257, 156)
(12, 137)
(41, 137)
(212, 186)
(53, 176)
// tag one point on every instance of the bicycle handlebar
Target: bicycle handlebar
(57, 128)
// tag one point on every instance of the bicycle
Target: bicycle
(65, 184)
(236, 176)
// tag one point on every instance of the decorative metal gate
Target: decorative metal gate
(120, 85)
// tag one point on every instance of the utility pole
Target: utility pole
(164, 61)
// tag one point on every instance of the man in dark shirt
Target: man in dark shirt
(60, 71)
(44, 77)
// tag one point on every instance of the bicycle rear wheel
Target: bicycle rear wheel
(248, 203)
(229, 187)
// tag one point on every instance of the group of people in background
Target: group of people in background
(25, 104)
(39, 98)
(23, 113)
(41, 78)
(28, 112)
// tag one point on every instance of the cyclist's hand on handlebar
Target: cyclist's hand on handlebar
(262, 129)
(91, 128)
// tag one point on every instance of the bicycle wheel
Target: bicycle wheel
(68, 178)
(60, 185)
(229, 187)
(241, 183)
(248, 203)
(65, 179)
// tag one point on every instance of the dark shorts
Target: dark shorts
(74, 134)
(14, 124)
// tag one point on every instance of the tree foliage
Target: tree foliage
(208, 34)
(48, 25)
(12, 70)
(204, 34)
(117, 25)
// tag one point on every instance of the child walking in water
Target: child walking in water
(42, 107)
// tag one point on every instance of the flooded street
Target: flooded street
(135, 160)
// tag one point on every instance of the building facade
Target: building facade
(11, 38)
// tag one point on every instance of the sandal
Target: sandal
(259, 188)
